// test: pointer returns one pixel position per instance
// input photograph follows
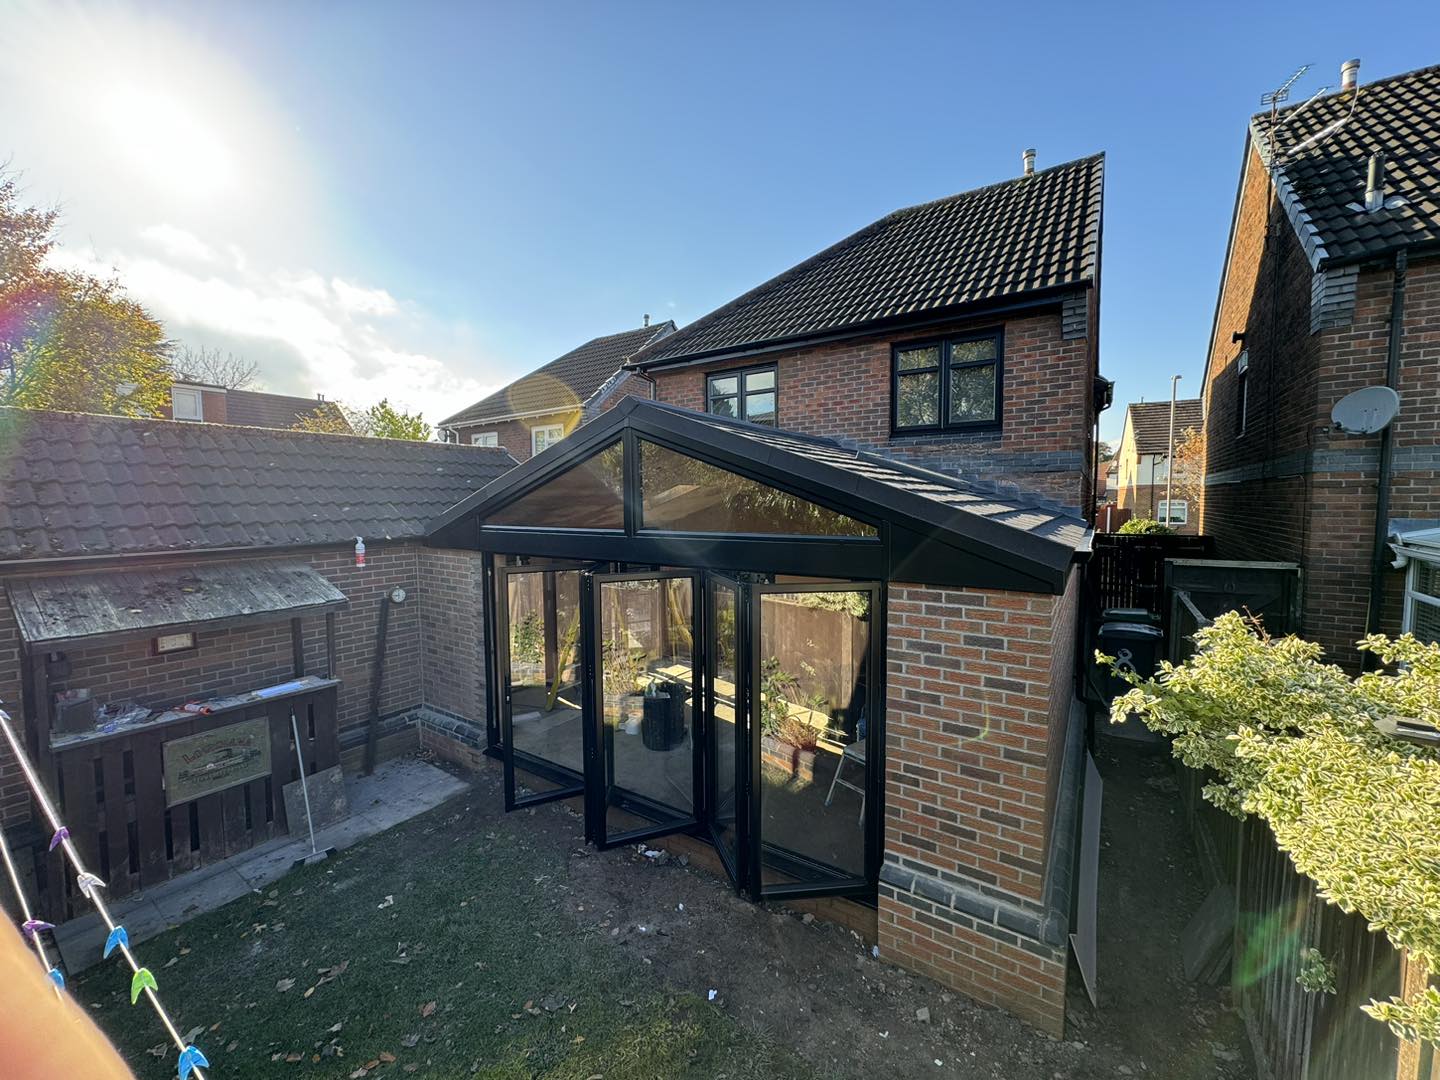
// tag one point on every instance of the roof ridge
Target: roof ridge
(1427, 69)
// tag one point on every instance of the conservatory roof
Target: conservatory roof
(904, 523)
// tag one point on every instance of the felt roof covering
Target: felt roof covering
(930, 528)
(72, 609)
(79, 485)
(1026, 236)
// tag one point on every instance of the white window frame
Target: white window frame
(1162, 512)
(196, 400)
(543, 436)
(1413, 595)
(484, 438)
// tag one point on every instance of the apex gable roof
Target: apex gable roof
(1022, 236)
(78, 485)
(567, 382)
(1318, 182)
(1150, 422)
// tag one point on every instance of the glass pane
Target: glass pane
(724, 726)
(682, 494)
(918, 400)
(760, 408)
(1426, 620)
(1427, 578)
(972, 394)
(723, 406)
(760, 380)
(587, 496)
(543, 612)
(726, 385)
(964, 352)
(927, 356)
(813, 727)
(645, 692)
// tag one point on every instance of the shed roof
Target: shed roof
(1029, 235)
(78, 485)
(73, 609)
(941, 530)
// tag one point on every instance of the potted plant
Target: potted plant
(527, 643)
(622, 667)
(786, 739)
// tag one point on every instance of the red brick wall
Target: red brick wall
(979, 694)
(842, 390)
(1290, 489)
(515, 434)
(1144, 500)
(452, 590)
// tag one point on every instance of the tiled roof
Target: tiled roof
(1150, 421)
(566, 382)
(73, 484)
(1024, 235)
(252, 408)
(1318, 183)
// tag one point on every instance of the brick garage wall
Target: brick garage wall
(842, 390)
(452, 591)
(975, 709)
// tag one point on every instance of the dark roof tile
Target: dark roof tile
(1150, 421)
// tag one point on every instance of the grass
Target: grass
(474, 964)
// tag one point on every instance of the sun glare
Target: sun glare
(164, 138)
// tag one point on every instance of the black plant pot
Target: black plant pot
(662, 725)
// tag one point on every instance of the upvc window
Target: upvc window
(186, 404)
(1173, 513)
(952, 384)
(485, 438)
(751, 394)
(545, 435)
(1422, 599)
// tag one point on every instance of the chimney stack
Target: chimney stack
(1375, 182)
(1028, 157)
(1349, 75)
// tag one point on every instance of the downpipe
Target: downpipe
(1378, 558)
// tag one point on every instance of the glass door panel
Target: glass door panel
(646, 627)
(541, 715)
(811, 760)
(725, 715)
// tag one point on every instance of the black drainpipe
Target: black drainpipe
(1379, 559)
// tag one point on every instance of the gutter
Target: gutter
(1378, 558)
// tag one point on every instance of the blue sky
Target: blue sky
(427, 199)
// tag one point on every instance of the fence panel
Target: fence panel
(1129, 571)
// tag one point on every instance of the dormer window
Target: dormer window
(186, 403)
(948, 385)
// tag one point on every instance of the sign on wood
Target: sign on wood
(215, 760)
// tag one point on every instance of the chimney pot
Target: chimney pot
(1349, 74)
(647, 318)
(1028, 158)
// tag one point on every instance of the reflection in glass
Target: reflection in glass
(972, 393)
(724, 728)
(812, 724)
(587, 496)
(917, 402)
(682, 494)
(646, 679)
(543, 615)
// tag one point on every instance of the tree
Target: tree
(1105, 450)
(380, 421)
(215, 368)
(1144, 527)
(70, 340)
(1306, 747)
(1189, 466)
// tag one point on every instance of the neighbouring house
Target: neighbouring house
(1331, 283)
(1142, 464)
(541, 408)
(148, 564)
(202, 403)
(816, 605)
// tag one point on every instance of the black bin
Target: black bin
(1135, 647)
(662, 723)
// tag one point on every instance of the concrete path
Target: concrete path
(400, 789)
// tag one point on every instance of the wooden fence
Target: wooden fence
(114, 799)
(1129, 571)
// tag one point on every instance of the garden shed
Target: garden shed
(852, 675)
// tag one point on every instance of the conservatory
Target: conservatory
(689, 627)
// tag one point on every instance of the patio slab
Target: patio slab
(397, 791)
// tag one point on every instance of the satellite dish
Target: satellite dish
(1366, 411)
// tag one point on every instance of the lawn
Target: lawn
(438, 949)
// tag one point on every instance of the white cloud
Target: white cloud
(178, 243)
(361, 300)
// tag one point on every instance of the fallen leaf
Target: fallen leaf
(337, 1027)
(294, 1055)
(386, 1056)
(172, 961)
(309, 991)
(389, 901)
(579, 1039)
(184, 950)
(428, 1009)
(231, 1048)
(159, 1050)
(284, 984)
(409, 1041)
(372, 1063)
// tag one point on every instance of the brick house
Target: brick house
(150, 563)
(816, 603)
(1142, 466)
(202, 403)
(1331, 283)
(544, 406)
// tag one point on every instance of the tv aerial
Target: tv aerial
(1281, 93)
(1366, 411)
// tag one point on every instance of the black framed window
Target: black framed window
(947, 385)
(751, 394)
